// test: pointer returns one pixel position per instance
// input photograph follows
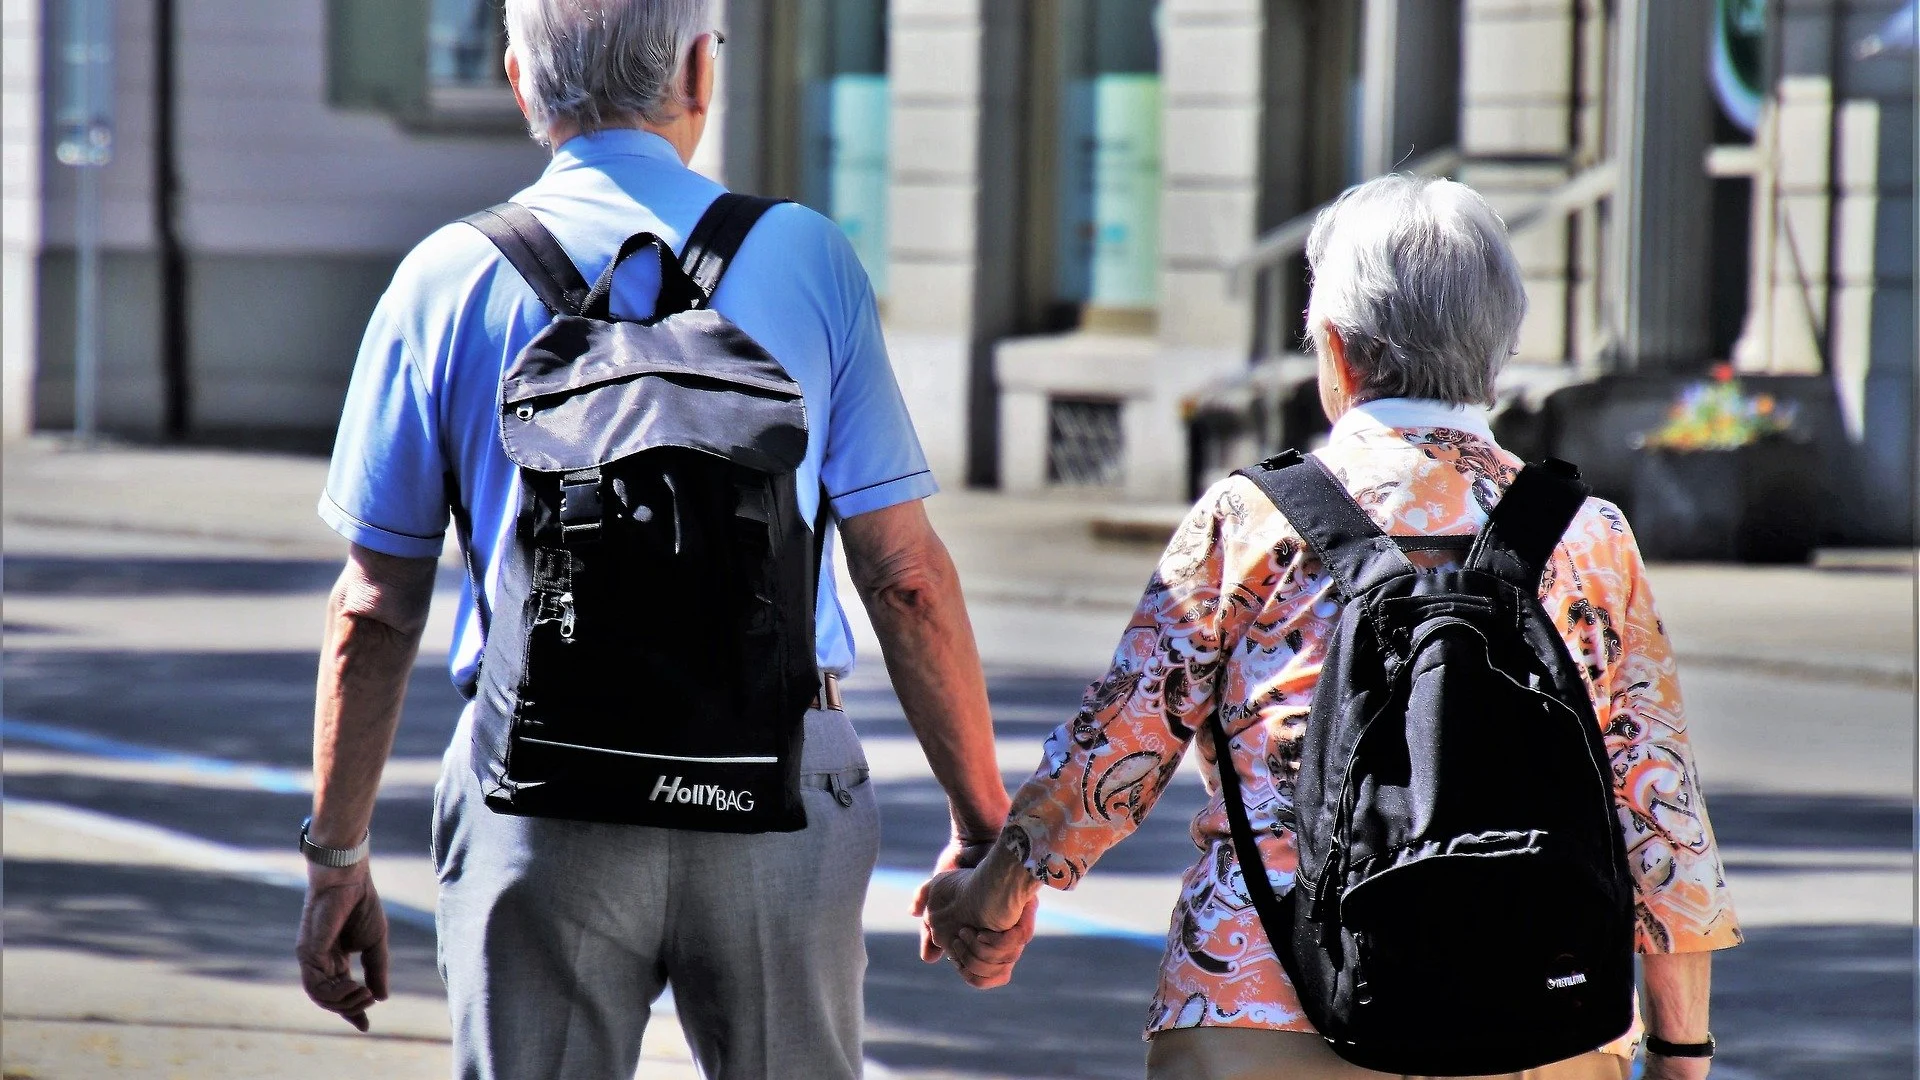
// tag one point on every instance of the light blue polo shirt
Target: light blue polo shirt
(422, 406)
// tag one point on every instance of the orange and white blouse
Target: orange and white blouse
(1236, 621)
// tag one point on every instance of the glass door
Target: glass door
(829, 116)
(1094, 177)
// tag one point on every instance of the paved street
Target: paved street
(161, 620)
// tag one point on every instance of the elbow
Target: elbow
(910, 592)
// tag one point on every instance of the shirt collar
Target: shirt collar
(1401, 414)
(598, 146)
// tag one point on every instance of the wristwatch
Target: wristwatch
(1658, 1045)
(333, 856)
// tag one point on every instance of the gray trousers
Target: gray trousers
(557, 936)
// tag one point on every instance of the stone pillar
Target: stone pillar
(1516, 124)
(1662, 211)
(20, 212)
(934, 59)
(1211, 89)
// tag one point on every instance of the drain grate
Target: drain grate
(1083, 442)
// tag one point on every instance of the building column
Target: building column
(935, 59)
(20, 211)
(1662, 130)
(1211, 69)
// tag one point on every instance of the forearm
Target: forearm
(364, 667)
(1678, 988)
(927, 640)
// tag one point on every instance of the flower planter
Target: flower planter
(1757, 503)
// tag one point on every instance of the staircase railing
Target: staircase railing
(1580, 205)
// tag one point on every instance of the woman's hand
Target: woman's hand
(981, 919)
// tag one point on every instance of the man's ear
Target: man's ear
(700, 75)
(513, 80)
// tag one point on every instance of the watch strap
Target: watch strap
(1658, 1045)
(334, 857)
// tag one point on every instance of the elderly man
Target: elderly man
(1416, 303)
(556, 935)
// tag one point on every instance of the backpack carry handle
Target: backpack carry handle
(677, 291)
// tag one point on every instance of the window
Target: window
(826, 115)
(1094, 184)
(1083, 442)
(432, 64)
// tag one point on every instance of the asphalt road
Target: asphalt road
(161, 688)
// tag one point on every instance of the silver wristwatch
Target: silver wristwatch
(333, 856)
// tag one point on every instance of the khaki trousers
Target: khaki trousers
(1219, 1053)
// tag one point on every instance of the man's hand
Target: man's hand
(1659, 1067)
(983, 929)
(343, 917)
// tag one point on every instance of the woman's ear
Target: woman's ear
(1345, 377)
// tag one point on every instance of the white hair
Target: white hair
(1417, 276)
(600, 63)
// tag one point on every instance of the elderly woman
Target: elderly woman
(1417, 302)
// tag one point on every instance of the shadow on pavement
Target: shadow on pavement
(253, 708)
(130, 576)
(1817, 1003)
(1076, 1007)
(136, 576)
(208, 924)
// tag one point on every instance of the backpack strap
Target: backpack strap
(533, 251)
(717, 237)
(1317, 505)
(1528, 522)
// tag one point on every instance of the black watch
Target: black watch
(1658, 1045)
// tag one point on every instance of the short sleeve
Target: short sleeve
(873, 458)
(386, 487)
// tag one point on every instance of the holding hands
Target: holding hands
(977, 910)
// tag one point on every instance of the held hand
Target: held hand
(961, 852)
(343, 917)
(983, 933)
(1661, 1067)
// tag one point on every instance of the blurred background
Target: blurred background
(1086, 221)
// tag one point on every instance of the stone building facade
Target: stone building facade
(1084, 217)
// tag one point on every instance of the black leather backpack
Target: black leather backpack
(651, 659)
(1462, 904)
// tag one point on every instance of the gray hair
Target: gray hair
(1417, 276)
(601, 63)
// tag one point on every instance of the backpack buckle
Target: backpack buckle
(582, 506)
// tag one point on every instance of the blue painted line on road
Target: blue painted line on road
(263, 777)
(1061, 922)
(289, 782)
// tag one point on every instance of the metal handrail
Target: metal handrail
(1290, 238)
(1580, 192)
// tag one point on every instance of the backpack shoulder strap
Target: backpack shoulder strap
(717, 237)
(533, 251)
(1528, 522)
(1317, 505)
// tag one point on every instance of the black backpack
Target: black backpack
(651, 659)
(1462, 904)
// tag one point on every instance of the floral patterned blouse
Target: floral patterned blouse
(1236, 621)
